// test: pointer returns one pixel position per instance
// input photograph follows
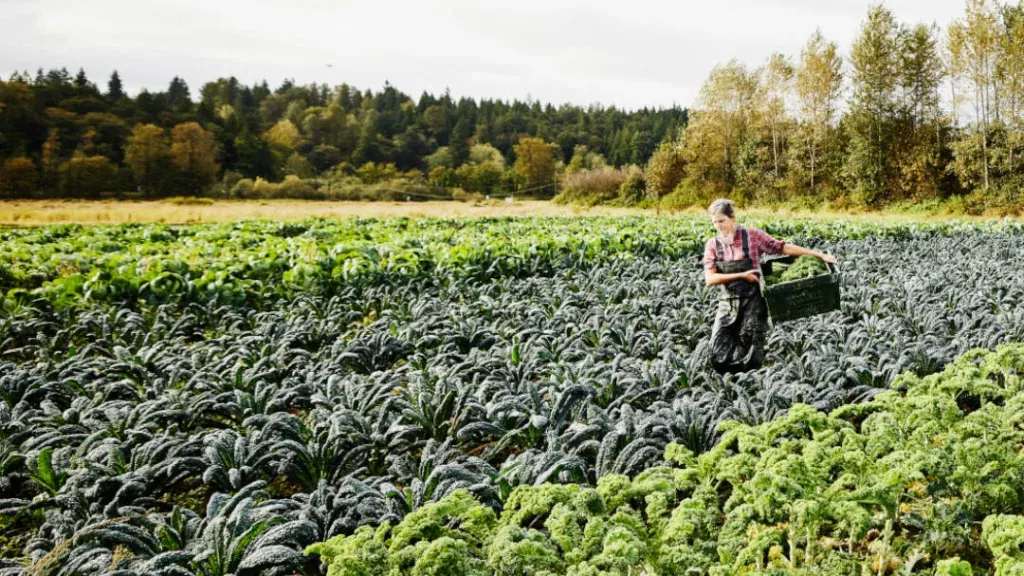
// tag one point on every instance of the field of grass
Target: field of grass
(194, 211)
(36, 212)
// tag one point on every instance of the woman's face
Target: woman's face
(724, 224)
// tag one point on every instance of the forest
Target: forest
(908, 115)
(61, 135)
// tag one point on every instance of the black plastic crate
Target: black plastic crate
(801, 298)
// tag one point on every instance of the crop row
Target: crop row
(250, 262)
(924, 480)
(226, 438)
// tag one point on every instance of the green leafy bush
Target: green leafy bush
(900, 483)
(590, 187)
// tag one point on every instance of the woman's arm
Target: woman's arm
(713, 278)
(794, 250)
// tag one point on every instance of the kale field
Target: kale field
(502, 396)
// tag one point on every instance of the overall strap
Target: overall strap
(718, 249)
(746, 244)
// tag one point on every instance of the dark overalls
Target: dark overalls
(741, 323)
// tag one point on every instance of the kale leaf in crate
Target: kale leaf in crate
(803, 267)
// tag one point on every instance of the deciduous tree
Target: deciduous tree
(818, 82)
(875, 61)
(974, 48)
(18, 176)
(146, 154)
(535, 162)
(194, 152)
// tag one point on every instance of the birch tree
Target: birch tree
(874, 59)
(974, 48)
(818, 85)
(920, 127)
(1010, 75)
(719, 123)
(775, 85)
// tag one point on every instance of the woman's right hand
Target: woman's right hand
(750, 276)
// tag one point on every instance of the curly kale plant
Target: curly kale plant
(924, 479)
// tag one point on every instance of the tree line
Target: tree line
(61, 135)
(911, 114)
(914, 115)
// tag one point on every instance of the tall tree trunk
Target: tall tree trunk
(1012, 122)
(980, 105)
(814, 153)
(952, 95)
(775, 147)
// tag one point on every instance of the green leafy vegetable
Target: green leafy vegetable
(802, 267)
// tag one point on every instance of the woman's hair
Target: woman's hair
(724, 207)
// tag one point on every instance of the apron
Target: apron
(741, 322)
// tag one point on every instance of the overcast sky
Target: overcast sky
(628, 53)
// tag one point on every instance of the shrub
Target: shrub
(633, 188)
(88, 176)
(228, 182)
(665, 170)
(441, 158)
(590, 187)
(354, 189)
(189, 201)
(484, 178)
(18, 177)
(263, 189)
(371, 172)
(463, 196)
(687, 194)
(972, 204)
(413, 175)
(243, 189)
(295, 187)
(807, 203)
(443, 177)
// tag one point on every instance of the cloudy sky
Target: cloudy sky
(630, 53)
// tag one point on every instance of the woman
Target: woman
(732, 260)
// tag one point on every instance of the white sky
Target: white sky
(630, 54)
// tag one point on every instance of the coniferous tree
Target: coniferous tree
(114, 88)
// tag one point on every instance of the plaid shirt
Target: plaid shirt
(759, 243)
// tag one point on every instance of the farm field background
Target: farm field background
(501, 396)
(193, 211)
(204, 210)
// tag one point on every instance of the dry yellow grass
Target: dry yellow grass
(36, 212)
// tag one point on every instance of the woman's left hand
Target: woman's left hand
(828, 258)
